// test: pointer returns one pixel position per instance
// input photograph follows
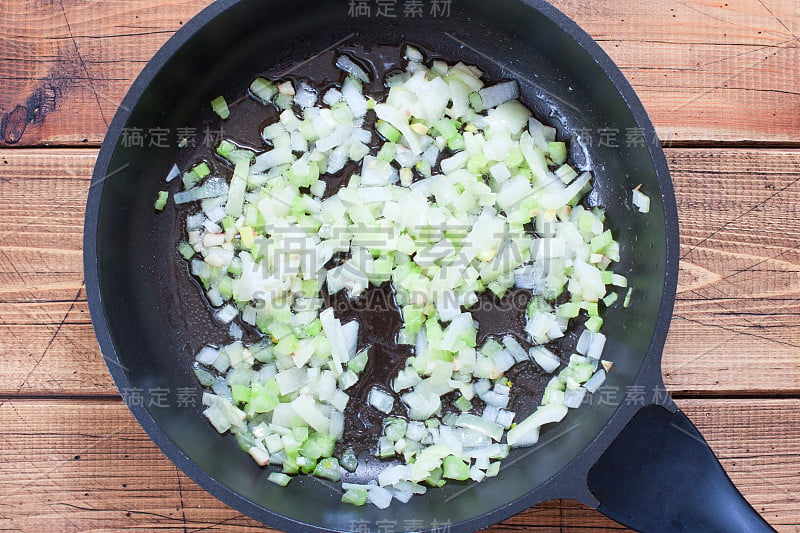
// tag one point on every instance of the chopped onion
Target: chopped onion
(526, 433)
(596, 381)
(306, 96)
(641, 200)
(347, 64)
(379, 497)
(207, 355)
(227, 314)
(498, 94)
(514, 348)
(574, 398)
(174, 172)
(354, 97)
(381, 400)
(212, 188)
(490, 429)
(544, 358)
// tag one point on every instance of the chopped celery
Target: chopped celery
(328, 469)
(591, 308)
(359, 362)
(388, 132)
(190, 179)
(225, 148)
(455, 468)
(610, 299)
(220, 107)
(263, 90)
(202, 170)
(317, 446)
(594, 324)
(435, 479)
(463, 404)
(602, 241)
(186, 250)
(161, 201)
(395, 428)
(284, 101)
(241, 393)
(356, 497)
(387, 152)
(279, 479)
(456, 143)
(349, 460)
(447, 128)
(557, 152)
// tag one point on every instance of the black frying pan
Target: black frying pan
(631, 453)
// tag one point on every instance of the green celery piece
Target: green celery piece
(435, 479)
(263, 399)
(202, 170)
(279, 479)
(457, 144)
(318, 446)
(627, 302)
(359, 362)
(447, 128)
(602, 241)
(241, 393)
(328, 469)
(455, 468)
(387, 152)
(388, 132)
(610, 299)
(186, 250)
(355, 497)
(161, 201)
(190, 179)
(263, 90)
(558, 152)
(395, 428)
(220, 107)
(225, 148)
(594, 324)
(349, 460)
(463, 404)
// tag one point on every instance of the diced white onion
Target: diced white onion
(380, 400)
(345, 63)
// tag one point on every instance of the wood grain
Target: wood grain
(737, 318)
(706, 71)
(87, 466)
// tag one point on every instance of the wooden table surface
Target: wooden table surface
(721, 81)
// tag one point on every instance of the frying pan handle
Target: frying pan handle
(660, 475)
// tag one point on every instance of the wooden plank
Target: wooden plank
(87, 466)
(737, 316)
(705, 70)
(736, 326)
(65, 66)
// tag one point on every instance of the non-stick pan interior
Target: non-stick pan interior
(157, 320)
